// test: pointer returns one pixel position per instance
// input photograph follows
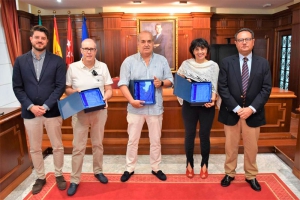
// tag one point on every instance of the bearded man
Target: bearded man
(39, 80)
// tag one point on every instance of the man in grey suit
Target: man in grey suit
(159, 41)
(244, 86)
(39, 79)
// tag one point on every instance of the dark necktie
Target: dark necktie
(245, 76)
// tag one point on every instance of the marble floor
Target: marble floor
(171, 164)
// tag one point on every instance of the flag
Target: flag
(40, 20)
(84, 31)
(69, 48)
(56, 45)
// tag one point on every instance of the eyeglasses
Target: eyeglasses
(244, 39)
(94, 73)
(88, 49)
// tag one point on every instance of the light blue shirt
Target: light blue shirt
(38, 66)
(134, 68)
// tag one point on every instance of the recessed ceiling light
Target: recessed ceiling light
(266, 5)
(183, 2)
(58, 0)
(137, 1)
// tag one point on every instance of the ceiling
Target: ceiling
(79, 4)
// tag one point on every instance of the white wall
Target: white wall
(7, 96)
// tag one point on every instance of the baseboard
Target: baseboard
(284, 157)
(296, 172)
(15, 183)
(295, 115)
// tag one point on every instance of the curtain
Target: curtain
(10, 24)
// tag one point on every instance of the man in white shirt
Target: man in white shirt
(86, 74)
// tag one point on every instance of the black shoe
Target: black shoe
(72, 189)
(226, 180)
(160, 175)
(61, 183)
(101, 178)
(126, 176)
(254, 184)
(38, 185)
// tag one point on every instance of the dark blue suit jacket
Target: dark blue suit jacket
(47, 90)
(161, 40)
(230, 90)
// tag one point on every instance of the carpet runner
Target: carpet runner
(177, 186)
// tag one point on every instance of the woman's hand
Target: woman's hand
(211, 104)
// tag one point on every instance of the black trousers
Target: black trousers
(191, 115)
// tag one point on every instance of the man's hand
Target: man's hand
(157, 82)
(137, 103)
(38, 110)
(244, 113)
(106, 104)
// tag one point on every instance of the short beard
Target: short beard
(39, 49)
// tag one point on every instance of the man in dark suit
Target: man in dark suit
(244, 86)
(159, 41)
(39, 80)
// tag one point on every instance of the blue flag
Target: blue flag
(84, 31)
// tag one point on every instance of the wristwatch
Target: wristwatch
(162, 83)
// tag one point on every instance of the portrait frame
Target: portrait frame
(169, 31)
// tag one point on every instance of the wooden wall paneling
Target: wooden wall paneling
(202, 27)
(15, 163)
(112, 51)
(95, 29)
(128, 36)
(25, 22)
(112, 35)
(129, 42)
(185, 23)
(294, 65)
(226, 25)
(280, 29)
(201, 33)
(185, 37)
(296, 167)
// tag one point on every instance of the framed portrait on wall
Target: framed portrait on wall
(165, 37)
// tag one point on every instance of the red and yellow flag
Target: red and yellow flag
(56, 45)
(69, 47)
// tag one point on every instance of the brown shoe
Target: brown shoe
(38, 185)
(61, 183)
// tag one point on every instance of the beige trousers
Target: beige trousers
(250, 137)
(135, 125)
(34, 128)
(81, 123)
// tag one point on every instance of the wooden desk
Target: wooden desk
(296, 168)
(275, 132)
(15, 164)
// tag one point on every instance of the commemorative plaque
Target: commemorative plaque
(196, 93)
(143, 90)
(87, 100)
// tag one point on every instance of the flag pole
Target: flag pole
(40, 18)
(56, 43)
(69, 45)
